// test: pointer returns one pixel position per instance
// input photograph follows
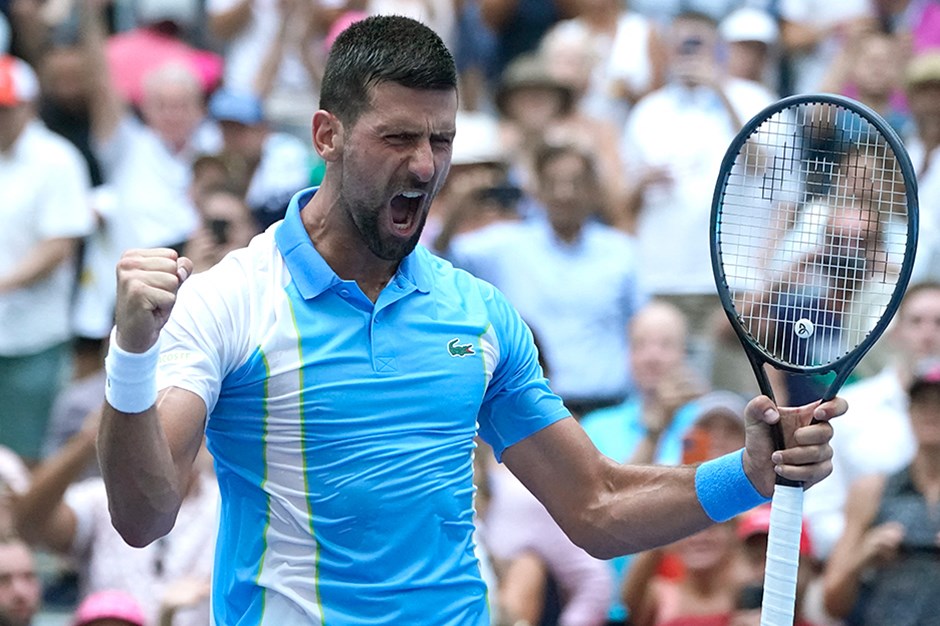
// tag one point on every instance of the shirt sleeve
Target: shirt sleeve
(518, 401)
(205, 337)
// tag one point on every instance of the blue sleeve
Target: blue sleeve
(518, 401)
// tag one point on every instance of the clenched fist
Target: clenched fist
(147, 282)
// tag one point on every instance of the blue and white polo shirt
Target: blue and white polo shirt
(343, 430)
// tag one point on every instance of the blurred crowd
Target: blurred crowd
(588, 144)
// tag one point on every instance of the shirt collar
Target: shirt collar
(311, 273)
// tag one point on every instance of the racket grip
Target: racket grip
(783, 556)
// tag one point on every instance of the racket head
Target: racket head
(795, 171)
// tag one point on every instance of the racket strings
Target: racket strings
(812, 231)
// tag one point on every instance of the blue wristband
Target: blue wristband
(723, 489)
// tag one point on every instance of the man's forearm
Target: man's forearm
(144, 487)
(38, 263)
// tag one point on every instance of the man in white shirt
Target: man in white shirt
(44, 213)
(146, 163)
(673, 145)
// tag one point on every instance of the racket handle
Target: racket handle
(783, 556)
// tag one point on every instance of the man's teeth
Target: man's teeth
(412, 194)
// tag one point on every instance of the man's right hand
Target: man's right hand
(147, 282)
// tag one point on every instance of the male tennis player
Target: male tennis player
(345, 371)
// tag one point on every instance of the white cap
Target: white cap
(749, 24)
(477, 140)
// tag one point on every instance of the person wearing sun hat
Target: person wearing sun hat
(922, 87)
(751, 35)
(43, 216)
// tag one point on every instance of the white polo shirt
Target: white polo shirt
(45, 196)
(343, 429)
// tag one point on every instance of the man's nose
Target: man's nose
(422, 161)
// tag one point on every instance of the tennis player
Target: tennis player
(340, 374)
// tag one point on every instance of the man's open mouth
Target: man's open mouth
(404, 211)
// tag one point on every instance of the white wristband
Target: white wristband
(131, 385)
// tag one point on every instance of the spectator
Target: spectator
(158, 39)
(530, 101)
(269, 165)
(109, 607)
(705, 593)
(673, 144)
(915, 21)
(813, 32)
(922, 86)
(20, 589)
(227, 224)
(884, 568)
(146, 164)
(71, 519)
(519, 25)
(65, 98)
(572, 279)
(43, 219)
(751, 35)
(540, 105)
(611, 55)
(718, 427)
(30, 30)
(878, 402)
(870, 68)
(273, 49)
(478, 190)
(651, 424)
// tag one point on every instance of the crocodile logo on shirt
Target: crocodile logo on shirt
(459, 349)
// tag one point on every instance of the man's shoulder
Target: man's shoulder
(51, 148)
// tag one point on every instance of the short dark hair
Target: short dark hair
(383, 48)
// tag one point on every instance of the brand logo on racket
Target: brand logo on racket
(455, 348)
(803, 328)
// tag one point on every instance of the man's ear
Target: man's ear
(327, 135)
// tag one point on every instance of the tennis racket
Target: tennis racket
(813, 232)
